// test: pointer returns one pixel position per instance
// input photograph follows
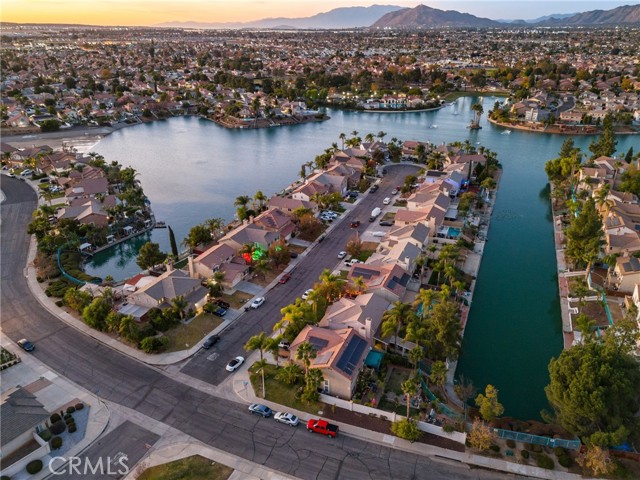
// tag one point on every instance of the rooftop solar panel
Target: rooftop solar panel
(349, 358)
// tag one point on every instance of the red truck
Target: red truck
(323, 427)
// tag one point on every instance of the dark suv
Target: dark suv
(210, 342)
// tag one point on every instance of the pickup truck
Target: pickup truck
(322, 426)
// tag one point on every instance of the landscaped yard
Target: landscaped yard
(237, 299)
(269, 276)
(281, 393)
(190, 468)
(183, 336)
(394, 383)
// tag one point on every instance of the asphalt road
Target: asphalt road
(214, 421)
(209, 365)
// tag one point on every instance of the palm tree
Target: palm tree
(359, 285)
(394, 319)
(305, 353)
(424, 300)
(410, 389)
(260, 367)
(260, 198)
(214, 225)
(415, 355)
(316, 297)
(313, 381)
(477, 113)
(332, 286)
(381, 135)
(342, 138)
(369, 137)
(273, 348)
(289, 374)
(258, 342)
(438, 374)
(242, 201)
(180, 304)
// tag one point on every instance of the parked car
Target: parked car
(385, 223)
(374, 188)
(234, 364)
(259, 409)
(287, 418)
(355, 224)
(222, 303)
(293, 254)
(386, 201)
(44, 180)
(353, 194)
(210, 342)
(306, 294)
(342, 254)
(284, 278)
(284, 345)
(257, 302)
(323, 427)
(395, 191)
(220, 312)
(26, 345)
(352, 261)
(26, 172)
(378, 234)
(11, 175)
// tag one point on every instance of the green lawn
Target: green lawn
(281, 393)
(395, 380)
(190, 468)
(184, 337)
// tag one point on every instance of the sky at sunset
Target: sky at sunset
(150, 12)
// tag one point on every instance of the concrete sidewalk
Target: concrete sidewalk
(56, 391)
(243, 389)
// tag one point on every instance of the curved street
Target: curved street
(217, 422)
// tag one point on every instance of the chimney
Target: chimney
(192, 268)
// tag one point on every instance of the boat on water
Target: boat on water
(506, 132)
(160, 224)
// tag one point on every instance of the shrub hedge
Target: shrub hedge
(58, 427)
(56, 443)
(34, 466)
(544, 461)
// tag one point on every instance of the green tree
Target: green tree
(150, 255)
(585, 235)
(198, 235)
(594, 391)
(481, 435)
(410, 389)
(76, 299)
(489, 406)
(289, 374)
(443, 331)
(605, 146)
(394, 319)
(305, 353)
(330, 286)
(172, 241)
(180, 305)
(95, 314)
(406, 429)
(312, 382)
(416, 354)
(438, 373)
(630, 180)
(257, 342)
(129, 329)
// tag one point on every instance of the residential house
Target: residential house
(250, 234)
(210, 261)
(88, 187)
(275, 220)
(340, 355)
(172, 283)
(290, 205)
(363, 314)
(21, 416)
(388, 281)
(88, 210)
(626, 274)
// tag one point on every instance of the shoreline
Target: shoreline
(372, 110)
(554, 130)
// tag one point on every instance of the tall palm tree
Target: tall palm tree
(369, 138)
(438, 374)
(305, 353)
(478, 110)
(214, 225)
(258, 342)
(394, 319)
(424, 300)
(381, 135)
(242, 201)
(332, 286)
(273, 348)
(313, 380)
(342, 138)
(410, 389)
(180, 304)
(415, 355)
(289, 374)
(260, 198)
(359, 285)
(260, 366)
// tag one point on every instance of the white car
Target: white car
(386, 201)
(234, 364)
(257, 302)
(378, 234)
(394, 191)
(306, 294)
(26, 172)
(286, 418)
(342, 254)
(353, 261)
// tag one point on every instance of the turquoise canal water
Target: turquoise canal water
(192, 169)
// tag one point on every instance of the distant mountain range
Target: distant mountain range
(347, 17)
(427, 17)
(392, 16)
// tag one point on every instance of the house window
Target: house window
(325, 386)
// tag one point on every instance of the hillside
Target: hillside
(626, 15)
(427, 17)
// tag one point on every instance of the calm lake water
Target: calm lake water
(192, 169)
